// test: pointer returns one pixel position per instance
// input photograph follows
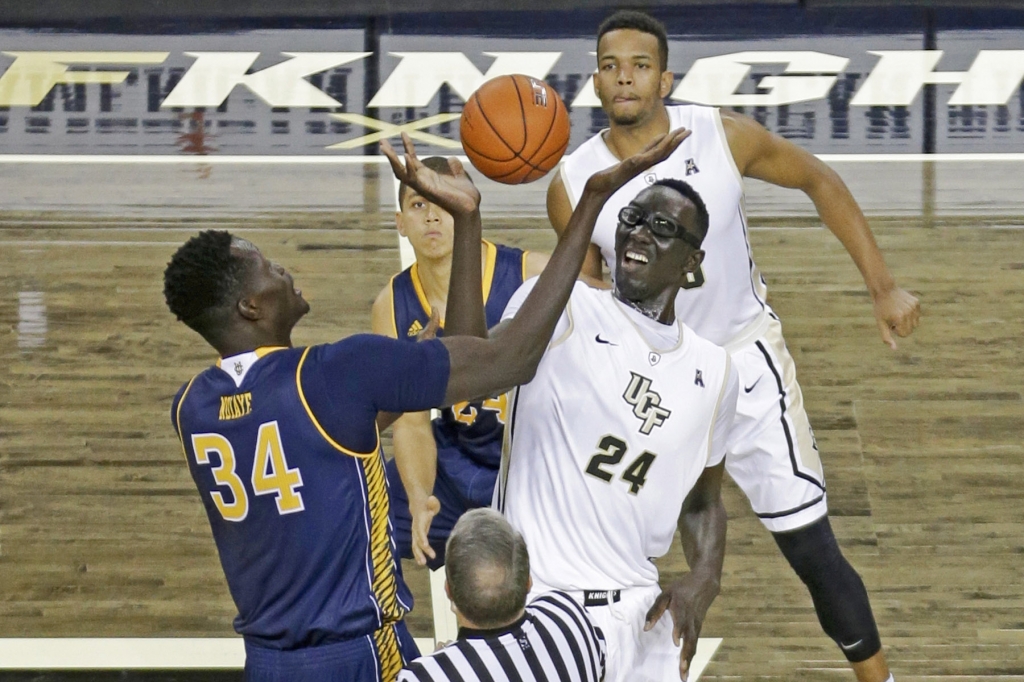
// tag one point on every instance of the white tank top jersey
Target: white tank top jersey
(732, 296)
(606, 441)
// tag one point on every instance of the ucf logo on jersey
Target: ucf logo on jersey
(646, 403)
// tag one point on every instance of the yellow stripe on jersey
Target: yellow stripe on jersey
(177, 417)
(312, 417)
(388, 653)
(523, 264)
(414, 275)
(394, 312)
(384, 583)
(490, 261)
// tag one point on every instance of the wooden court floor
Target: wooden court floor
(102, 532)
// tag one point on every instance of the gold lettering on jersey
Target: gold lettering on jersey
(414, 328)
(646, 403)
(466, 413)
(235, 406)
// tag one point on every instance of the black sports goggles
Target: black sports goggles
(632, 215)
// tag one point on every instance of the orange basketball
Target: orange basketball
(514, 129)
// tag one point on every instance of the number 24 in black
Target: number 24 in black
(611, 450)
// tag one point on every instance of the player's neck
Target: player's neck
(660, 308)
(626, 140)
(245, 340)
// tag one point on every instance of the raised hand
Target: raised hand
(454, 193)
(896, 310)
(609, 180)
(688, 600)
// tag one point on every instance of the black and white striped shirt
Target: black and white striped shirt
(554, 641)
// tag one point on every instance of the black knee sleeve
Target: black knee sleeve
(839, 596)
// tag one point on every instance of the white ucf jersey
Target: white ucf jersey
(606, 441)
(723, 305)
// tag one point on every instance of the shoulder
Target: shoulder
(382, 314)
(699, 344)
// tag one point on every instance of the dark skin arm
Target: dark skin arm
(766, 156)
(702, 523)
(559, 210)
(482, 366)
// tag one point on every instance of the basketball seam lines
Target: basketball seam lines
(522, 112)
(515, 154)
(479, 107)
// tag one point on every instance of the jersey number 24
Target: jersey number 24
(610, 451)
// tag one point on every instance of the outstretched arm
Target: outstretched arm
(480, 367)
(766, 156)
(559, 210)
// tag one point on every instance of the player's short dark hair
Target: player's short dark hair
(202, 279)
(637, 21)
(690, 193)
(488, 568)
(438, 164)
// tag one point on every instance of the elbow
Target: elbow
(524, 369)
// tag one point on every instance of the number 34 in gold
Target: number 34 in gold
(270, 473)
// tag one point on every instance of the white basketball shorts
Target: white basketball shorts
(634, 655)
(772, 454)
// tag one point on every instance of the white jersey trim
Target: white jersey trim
(568, 332)
(728, 150)
(718, 405)
(643, 337)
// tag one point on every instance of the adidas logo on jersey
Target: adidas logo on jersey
(646, 403)
(691, 167)
(414, 328)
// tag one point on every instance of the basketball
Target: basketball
(514, 129)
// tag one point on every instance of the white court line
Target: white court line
(169, 159)
(179, 653)
(65, 242)
(65, 653)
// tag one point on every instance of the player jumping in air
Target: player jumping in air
(772, 453)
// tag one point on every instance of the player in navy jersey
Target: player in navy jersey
(283, 445)
(463, 445)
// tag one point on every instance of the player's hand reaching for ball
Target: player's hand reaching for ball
(896, 311)
(606, 182)
(455, 193)
(688, 600)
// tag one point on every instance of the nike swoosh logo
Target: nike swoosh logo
(847, 647)
(751, 388)
(600, 340)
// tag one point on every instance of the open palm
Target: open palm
(455, 193)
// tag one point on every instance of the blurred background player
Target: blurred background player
(620, 439)
(500, 635)
(772, 453)
(463, 445)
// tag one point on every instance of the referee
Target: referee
(500, 637)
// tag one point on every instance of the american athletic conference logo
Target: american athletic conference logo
(646, 403)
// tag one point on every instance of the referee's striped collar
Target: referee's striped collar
(472, 633)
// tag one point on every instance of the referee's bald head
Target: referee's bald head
(488, 569)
